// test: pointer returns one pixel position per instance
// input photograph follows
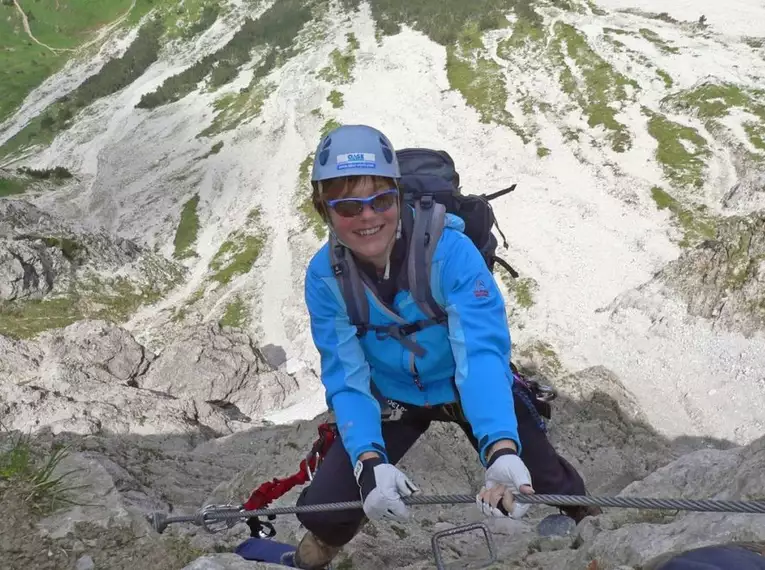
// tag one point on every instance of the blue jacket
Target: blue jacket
(473, 353)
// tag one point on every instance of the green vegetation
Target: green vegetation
(11, 186)
(664, 76)
(27, 64)
(681, 150)
(216, 148)
(444, 21)
(31, 475)
(113, 300)
(235, 315)
(113, 76)
(305, 207)
(712, 101)
(697, 226)
(275, 30)
(190, 18)
(26, 177)
(480, 79)
(235, 109)
(528, 31)
(657, 40)
(186, 234)
(342, 63)
(238, 253)
(336, 98)
(543, 151)
(69, 248)
(603, 88)
(550, 364)
(329, 126)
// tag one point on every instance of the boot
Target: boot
(314, 554)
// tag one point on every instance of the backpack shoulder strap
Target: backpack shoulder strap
(351, 286)
(428, 224)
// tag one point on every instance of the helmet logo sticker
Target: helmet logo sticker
(356, 160)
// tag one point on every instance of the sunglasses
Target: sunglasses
(350, 207)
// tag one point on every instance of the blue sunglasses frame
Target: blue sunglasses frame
(361, 203)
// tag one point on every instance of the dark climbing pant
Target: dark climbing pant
(334, 481)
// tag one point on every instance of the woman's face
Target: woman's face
(368, 234)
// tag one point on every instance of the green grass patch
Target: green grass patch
(30, 473)
(543, 351)
(188, 227)
(236, 256)
(657, 40)
(113, 76)
(336, 99)
(276, 28)
(714, 101)
(239, 252)
(26, 64)
(666, 78)
(11, 186)
(528, 31)
(681, 150)
(235, 314)
(190, 18)
(443, 21)
(697, 226)
(114, 300)
(70, 249)
(595, 10)
(523, 289)
(341, 65)
(602, 89)
(480, 80)
(305, 206)
(543, 151)
(216, 148)
(235, 109)
(328, 127)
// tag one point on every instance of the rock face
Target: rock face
(221, 368)
(93, 377)
(78, 274)
(127, 476)
(40, 256)
(724, 279)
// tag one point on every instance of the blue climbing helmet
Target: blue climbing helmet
(354, 150)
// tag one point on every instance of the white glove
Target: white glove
(382, 486)
(508, 471)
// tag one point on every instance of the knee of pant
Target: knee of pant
(329, 531)
(335, 528)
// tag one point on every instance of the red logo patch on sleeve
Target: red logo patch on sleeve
(479, 289)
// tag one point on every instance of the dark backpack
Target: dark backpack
(432, 172)
(431, 185)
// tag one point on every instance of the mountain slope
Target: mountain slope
(632, 136)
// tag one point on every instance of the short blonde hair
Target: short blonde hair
(343, 187)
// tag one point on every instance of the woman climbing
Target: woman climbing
(456, 370)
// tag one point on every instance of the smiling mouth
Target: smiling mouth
(368, 231)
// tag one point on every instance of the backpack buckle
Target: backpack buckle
(426, 201)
